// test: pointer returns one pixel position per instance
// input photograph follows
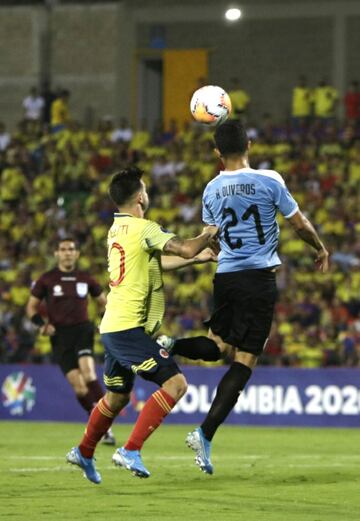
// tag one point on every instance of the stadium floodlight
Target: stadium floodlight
(233, 14)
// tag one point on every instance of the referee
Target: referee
(65, 290)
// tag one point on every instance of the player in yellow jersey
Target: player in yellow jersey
(133, 312)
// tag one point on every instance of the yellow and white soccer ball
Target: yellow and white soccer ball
(210, 105)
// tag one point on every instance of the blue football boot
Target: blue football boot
(202, 447)
(86, 464)
(130, 460)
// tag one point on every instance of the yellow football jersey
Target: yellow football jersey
(155, 306)
(135, 273)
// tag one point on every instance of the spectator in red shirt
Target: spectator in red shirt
(352, 101)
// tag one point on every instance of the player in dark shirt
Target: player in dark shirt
(65, 290)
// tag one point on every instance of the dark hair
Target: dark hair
(66, 239)
(231, 138)
(125, 184)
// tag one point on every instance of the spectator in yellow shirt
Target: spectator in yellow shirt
(60, 114)
(325, 98)
(301, 101)
(239, 99)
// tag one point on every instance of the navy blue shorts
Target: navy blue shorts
(132, 352)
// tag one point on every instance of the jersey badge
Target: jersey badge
(57, 291)
(82, 289)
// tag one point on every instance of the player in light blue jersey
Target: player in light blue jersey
(243, 203)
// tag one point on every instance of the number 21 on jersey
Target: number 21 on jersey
(252, 211)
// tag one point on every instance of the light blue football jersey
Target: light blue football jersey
(243, 204)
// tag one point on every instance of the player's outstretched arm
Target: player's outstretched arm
(307, 233)
(189, 248)
(172, 262)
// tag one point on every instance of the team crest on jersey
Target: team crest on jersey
(82, 289)
(163, 353)
(58, 291)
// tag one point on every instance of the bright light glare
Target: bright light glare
(233, 14)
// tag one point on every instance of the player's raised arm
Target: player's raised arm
(188, 248)
(307, 233)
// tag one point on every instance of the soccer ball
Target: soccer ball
(210, 105)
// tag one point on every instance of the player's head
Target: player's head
(67, 253)
(231, 139)
(127, 189)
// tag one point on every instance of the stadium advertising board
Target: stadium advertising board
(275, 396)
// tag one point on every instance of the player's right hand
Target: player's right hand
(205, 256)
(322, 260)
(214, 244)
(47, 330)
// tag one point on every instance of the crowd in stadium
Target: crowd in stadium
(54, 179)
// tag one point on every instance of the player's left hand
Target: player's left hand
(322, 260)
(47, 330)
(205, 256)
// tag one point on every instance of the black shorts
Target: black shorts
(132, 352)
(244, 306)
(72, 342)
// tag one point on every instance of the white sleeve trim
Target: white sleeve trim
(292, 213)
(272, 174)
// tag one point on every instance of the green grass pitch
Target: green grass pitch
(261, 474)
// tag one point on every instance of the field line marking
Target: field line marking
(68, 468)
(155, 457)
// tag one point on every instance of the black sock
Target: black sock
(227, 394)
(95, 390)
(86, 402)
(199, 347)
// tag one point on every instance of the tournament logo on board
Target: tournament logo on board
(18, 393)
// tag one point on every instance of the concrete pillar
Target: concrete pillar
(339, 58)
(125, 61)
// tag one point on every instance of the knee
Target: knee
(117, 401)
(246, 359)
(87, 369)
(79, 388)
(224, 348)
(88, 375)
(77, 383)
(176, 386)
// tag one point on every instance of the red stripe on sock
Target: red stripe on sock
(100, 421)
(155, 410)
